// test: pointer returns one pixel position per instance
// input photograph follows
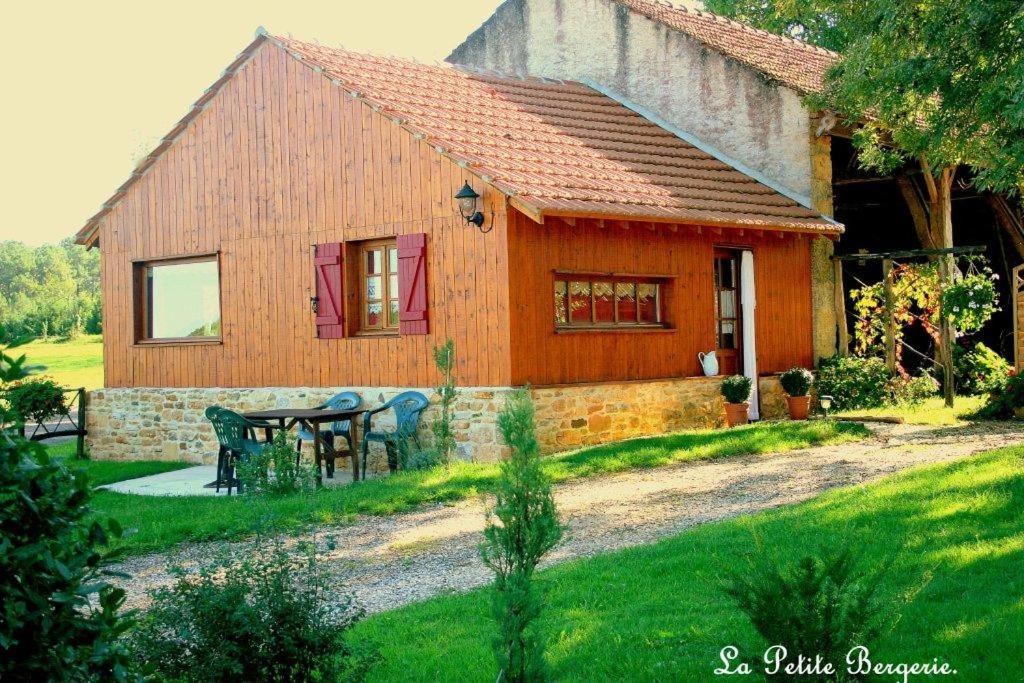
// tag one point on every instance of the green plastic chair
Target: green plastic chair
(239, 436)
(408, 407)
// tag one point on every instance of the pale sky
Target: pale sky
(89, 87)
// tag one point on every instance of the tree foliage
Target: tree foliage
(48, 290)
(521, 528)
(819, 22)
(938, 82)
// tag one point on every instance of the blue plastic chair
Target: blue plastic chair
(408, 407)
(346, 400)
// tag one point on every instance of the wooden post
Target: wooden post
(890, 316)
(946, 336)
(839, 301)
(80, 445)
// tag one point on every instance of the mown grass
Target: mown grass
(77, 363)
(955, 535)
(156, 523)
(103, 472)
(932, 411)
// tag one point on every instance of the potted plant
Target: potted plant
(796, 382)
(736, 392)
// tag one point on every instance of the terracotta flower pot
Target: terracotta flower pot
(736, 414)
(799, 406)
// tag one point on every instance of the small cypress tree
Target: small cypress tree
(442, 428)
(522, 526)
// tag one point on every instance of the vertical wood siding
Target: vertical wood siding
(280, 160)
(540, 355)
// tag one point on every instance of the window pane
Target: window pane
(727, 304)
(392, 260)
(625, 297)
(393, 285)
(579, 303)
(604, 302)
(727, 335)
(374, 314)
(647, 302)
(373, 257)
(393, 318)
(725, 273)
(184, 300)
(373, 292)
(560, 314)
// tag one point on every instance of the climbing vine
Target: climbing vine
(918, 299)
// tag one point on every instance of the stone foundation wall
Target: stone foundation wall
(582, 415)
(168, 424)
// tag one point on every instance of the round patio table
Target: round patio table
(311, 419)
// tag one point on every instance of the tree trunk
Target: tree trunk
(940, 212)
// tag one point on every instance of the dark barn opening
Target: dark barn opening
(878, 219)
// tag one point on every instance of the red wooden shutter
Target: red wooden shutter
(412, 284)
(330, 316)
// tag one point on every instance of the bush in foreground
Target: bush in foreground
(813, 607)
(265, 619)
(59, 616)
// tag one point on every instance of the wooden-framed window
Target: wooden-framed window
(378, 286)
(178, 299)
(612, 302)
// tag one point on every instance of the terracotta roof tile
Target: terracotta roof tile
(559, 147)
(792, 62)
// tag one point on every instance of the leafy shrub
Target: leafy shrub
(265, 619)
(796, 381)
(1004, 400)
(60, 616)
(815, 606)
(36, 399)
(854, 382)
(736, 389)
(275, 470)
(911, 390)
(978, 370)
(522, 526)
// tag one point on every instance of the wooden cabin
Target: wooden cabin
(298, 233)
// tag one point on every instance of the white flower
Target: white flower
(956, 309)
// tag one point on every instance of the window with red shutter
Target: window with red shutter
(412, 284)
(330, 311)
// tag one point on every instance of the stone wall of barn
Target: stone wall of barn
(725, 104)
(168, 423)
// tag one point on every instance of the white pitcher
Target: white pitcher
(708, 361)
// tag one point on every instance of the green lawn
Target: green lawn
(932, 411)
(157, 523)
(74, 364)
(956, 533)
(109, 471)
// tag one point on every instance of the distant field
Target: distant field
(77, 363)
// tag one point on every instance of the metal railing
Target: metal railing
(71, 422)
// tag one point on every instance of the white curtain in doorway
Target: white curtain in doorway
(749, 307)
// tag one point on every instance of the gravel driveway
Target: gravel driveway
(392, 561)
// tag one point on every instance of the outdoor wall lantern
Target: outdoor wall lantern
(467, 199)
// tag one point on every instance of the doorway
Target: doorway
(728, 316)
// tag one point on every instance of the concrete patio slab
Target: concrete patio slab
(191, 482)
